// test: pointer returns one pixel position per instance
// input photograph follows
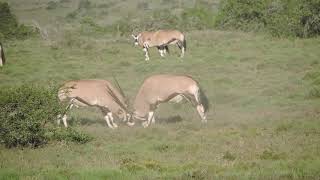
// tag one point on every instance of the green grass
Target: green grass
(262, 123)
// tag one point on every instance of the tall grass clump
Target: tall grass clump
(9, 26)
(24, 113)
(281, 18)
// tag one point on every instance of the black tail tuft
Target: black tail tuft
(2, 57)
(204, 100)
(185, 44)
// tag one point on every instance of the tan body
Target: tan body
(160, 39)
(2, 58)
(94, 92)
(161, 88)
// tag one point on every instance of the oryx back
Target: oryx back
(166, 37)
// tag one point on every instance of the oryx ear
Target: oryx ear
(134, 37)
(138, 36)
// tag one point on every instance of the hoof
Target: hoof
(130, 123)
(145, 124)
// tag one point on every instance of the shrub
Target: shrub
(245, 15)
(24, 112)
(9, 26)
(299, 18)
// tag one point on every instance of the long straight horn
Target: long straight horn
(119, 88)
(116, 99)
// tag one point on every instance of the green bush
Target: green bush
(9, 26)
(27, 114)
(24, 112)
(297, 18)
(244, 15)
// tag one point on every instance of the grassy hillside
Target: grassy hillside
(263, 122)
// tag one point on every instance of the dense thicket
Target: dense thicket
(299, 18)
(9, 26)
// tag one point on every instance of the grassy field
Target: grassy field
(263, 123)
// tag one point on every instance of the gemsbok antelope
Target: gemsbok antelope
(96, 93)
(161, 88)
(160, 39)
(2, 58)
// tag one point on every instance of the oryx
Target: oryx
(160, 39)
(2, 58)
(161, 88)
(98, 93)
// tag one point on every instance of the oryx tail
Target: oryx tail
(184, 43)
(2, 57)
(203, 99)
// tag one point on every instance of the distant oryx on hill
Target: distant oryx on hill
(160, 39)
(2, 58)
(97, 93)
(161, 88)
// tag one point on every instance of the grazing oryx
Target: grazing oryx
(161, 88)
(160, 39)
(98, 93)
(2, 58)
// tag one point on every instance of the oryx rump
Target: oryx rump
(161, 88)
(2, 58)
(98, 93)
(160, 39)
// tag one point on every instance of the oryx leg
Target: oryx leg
(145, 49)
(182, 51)
(180, 45)
(107, 118)
(150, 117)
(166, 49)
(200, 108)
(146, 53)
(111, 119)
(161, 51)
(201, 112)
(64, 117)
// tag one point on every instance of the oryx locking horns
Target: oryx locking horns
(95, 93)
(160, 39)
(161, 88)
(2, 58)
